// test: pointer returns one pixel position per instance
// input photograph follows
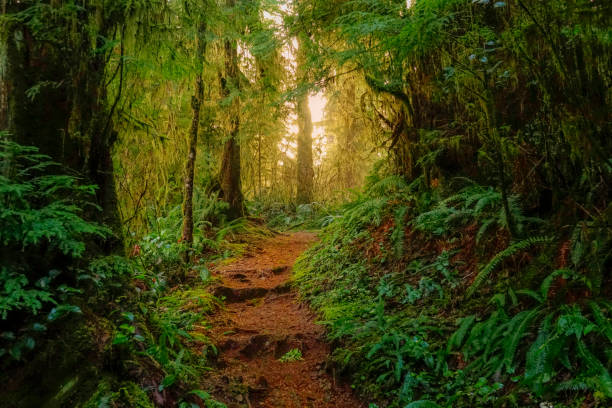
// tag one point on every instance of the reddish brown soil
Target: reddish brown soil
(262, 320)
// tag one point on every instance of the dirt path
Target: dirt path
(262, 321)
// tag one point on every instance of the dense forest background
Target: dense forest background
(455, 154)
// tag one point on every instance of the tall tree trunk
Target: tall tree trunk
(196, 103)
(229, 178)
(68, 118)
(259, 166)
(494, 140)
(305, 172)
(5, 34)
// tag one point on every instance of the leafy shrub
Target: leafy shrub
(162, 247)
(42, 235)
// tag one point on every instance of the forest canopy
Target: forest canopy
(453, 158)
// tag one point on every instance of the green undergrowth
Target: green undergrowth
(213, 237)
(291, 356)
(158, 337)
(84, 329)
(429, 301)
(284, 217)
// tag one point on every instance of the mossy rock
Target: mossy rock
(124, 394)
(62, 371)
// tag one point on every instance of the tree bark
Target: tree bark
(196, 103)
(305, 168)
(305, 171)
(55, 98)
(259, 184)
(229, 178)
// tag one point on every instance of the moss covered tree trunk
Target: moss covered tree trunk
(229, 178)
(196, 103)
(54, 97)
(305, 171)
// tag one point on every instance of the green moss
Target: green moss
(124, 394)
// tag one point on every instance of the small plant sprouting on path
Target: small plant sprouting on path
(291, 356)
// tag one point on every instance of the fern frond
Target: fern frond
(603, 379)
(604, 323)
(516, 331)
(434, 221)
(483, 228)
(458, 216)
(486, 200)
(547, 282)
(577, 247)
(501, 256)
(393, 183)
(541, 356)
(397, 236)
(496, 339)
(572, 385)
(466, 195)
(457, 338)
(532, 294)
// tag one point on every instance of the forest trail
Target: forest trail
(263, 320)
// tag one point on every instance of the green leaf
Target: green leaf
(29, 343)
(204, 274)
(202, 394)
(15, 351)
(62, 310)
(120, 338)
(39, 327)
(167, 382)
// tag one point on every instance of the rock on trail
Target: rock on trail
(262, 320)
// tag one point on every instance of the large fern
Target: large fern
(435, 220)
(501, 256)
(601, 374)
(602, 321)
(542, 355)
(517, 328)
(386, 186)
(458, 336)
